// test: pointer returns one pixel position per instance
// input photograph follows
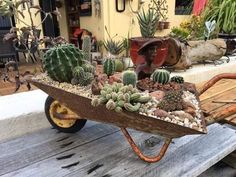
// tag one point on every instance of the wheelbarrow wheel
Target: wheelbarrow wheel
(67, 126)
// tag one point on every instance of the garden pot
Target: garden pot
(137, 42)
(160, 25)
(128, 63)
(230, 40)
(166, 25)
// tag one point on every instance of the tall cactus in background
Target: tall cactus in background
(86, 47)
(60, 61)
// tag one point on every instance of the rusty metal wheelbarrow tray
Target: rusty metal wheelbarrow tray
(82, 106)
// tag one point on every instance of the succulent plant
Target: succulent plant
(148, 22)
(78, 72)
(118, 97)
(172, 101)
(177, 79)
(60, 61)
(88, 68)
(129, 77)
(119, 65)
(109, 67)
(161, 76)
(87, 79)
(86, 48)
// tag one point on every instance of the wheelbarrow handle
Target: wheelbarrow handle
(215, 79)
(140, 154)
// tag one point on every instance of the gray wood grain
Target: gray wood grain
(34, 139)
(41, 151)
(113, 152)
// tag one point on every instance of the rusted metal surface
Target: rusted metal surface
(139, 152)
(82, 106)
(215, 79)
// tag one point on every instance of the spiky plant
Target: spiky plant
(86, 48)
(148, 22)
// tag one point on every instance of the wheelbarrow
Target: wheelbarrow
(68, 112)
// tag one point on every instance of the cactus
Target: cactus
(119, 65)
(109, 67)
(119, 96)
(132, 108)
(161, 76)
(60, 61)
(86, 48)
(129, 77)
(177, 79)
(88, 68)
(172, 101)
(78, 72)
(111, 105)
(87, 79)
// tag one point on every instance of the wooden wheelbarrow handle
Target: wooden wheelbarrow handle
(140, 154)
(217, 116)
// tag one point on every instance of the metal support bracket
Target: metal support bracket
(140, 154)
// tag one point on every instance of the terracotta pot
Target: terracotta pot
(160, 25)
(137, 42)
(166, 25)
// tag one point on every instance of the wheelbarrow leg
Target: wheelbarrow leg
(140, 154)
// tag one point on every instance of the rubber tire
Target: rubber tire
(77, 126)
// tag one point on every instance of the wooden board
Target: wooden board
(101, 150)
(222, 90)
(7, 88)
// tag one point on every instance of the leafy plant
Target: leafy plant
(148, 22)
(179, 33)
(210, 27)
(224, 13)
(112, 46)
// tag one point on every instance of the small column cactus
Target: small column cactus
(161, 76)
(86, 48)
(109, 67)
(129, 77)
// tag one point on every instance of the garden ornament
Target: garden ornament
(149, 51)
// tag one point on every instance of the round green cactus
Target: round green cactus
(88, 68)
(109, 67)
(177, 79)
(60, 61)
(161, 76)
(129, 77)
(78, 72)
(87, 79)
(119, 65)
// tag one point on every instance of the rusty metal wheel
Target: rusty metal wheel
(53, 109)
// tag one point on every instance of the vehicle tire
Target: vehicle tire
(66, 126)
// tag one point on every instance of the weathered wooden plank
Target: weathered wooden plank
(209, 106)
(219, 88)
(87, 154)
(27, 156)
(113, 156)
(188, 159)
(36, 139)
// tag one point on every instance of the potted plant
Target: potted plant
(224, 12)
(127, 62)
(147, 23)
